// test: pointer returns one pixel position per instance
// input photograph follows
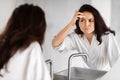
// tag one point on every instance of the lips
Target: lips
(87, 28)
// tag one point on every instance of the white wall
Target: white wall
(19, 2)
(6, 8)
(104, 7)
(115, 18)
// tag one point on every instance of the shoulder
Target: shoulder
(32, 49)
(25, 57)
(108, 36)
(34, 45)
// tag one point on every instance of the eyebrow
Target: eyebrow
(87, 19)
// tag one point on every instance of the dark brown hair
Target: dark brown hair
(100, 26)
(26, 25)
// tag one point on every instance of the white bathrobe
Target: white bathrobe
(114, 73)
(27, 65)
(101, 57)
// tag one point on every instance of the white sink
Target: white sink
(78, 73)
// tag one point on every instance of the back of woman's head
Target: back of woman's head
(100, 26)
(26, 24)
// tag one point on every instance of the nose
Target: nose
(87, 23)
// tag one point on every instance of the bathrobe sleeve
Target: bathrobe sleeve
(68, 44)
(113, 49)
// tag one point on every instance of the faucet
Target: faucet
(49, 61)
(70, 59)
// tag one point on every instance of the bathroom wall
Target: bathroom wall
(6, 8)
(115, 18)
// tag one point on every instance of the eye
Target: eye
(82, 20)
(91, 20)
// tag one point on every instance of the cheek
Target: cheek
(81, 26)
(93, 28)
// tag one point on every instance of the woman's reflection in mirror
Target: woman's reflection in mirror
(91, 37)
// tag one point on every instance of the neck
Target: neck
(89, 37)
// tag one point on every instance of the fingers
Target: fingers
(79, 15)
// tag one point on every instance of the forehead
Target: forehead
(88, 15)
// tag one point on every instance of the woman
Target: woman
(20, 45)
(91, 37)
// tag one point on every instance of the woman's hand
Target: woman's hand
(76, 16)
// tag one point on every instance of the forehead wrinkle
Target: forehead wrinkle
(88, 15)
